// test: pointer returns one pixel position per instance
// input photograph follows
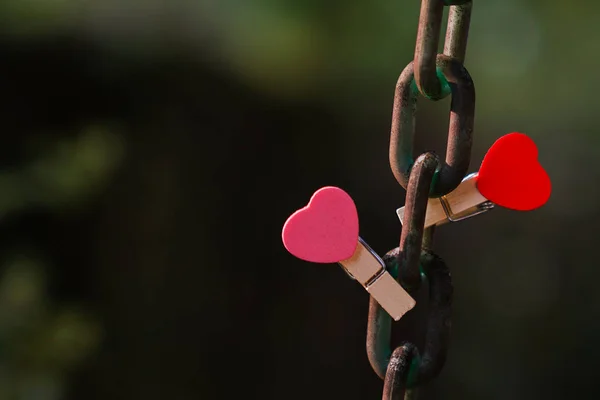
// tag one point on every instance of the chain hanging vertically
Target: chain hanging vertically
(434, 76)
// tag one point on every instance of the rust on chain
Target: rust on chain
(415, 208)
(460, 132)
(398, 371)
(435, 76)
(430, 362)
(428, 36)
(380, 323)
(457, 32)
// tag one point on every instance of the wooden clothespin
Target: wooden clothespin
(464, 202)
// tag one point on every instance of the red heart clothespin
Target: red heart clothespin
(510, 176)
(326, 231)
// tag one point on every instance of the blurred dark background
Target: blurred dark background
(152, 150)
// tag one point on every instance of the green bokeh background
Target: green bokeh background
(151, 151)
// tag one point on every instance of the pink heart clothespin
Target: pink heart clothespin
(326, 231)
(510, 176)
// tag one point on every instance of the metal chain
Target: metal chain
(434, 76)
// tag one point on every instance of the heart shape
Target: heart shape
(511, 175)
(326, 230)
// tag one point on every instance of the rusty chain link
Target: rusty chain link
(434, 76)
(428, 34)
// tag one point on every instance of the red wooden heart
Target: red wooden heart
(326, 230)
(511, 176)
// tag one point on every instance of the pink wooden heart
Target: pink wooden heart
(326, 230)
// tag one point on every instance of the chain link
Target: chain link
(434, 76)
(462, 109)
(428, 35)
